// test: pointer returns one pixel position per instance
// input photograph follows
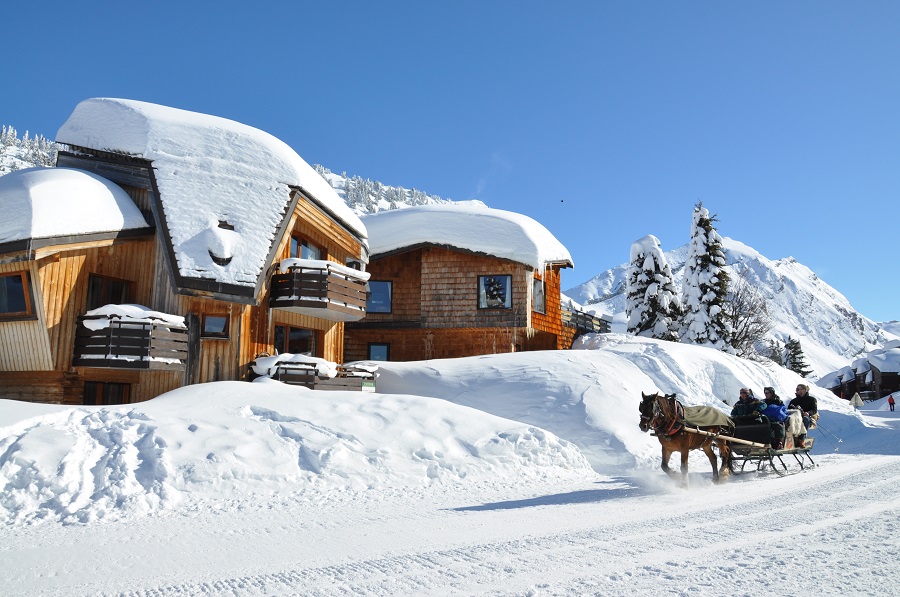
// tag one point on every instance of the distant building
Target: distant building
(458, 280)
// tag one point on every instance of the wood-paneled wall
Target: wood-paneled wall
(64, 273)
(25, 343)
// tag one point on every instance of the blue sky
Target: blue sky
(605, 121)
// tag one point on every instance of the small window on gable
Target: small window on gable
(540, 296)
(304, 249)
(214, 326)
(495, 292)
(15, 295)
(379, 298)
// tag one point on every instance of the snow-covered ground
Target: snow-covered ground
(520, 474)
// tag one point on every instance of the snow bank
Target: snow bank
(234, 440)
(590, 395)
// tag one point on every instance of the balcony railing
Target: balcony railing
(319, 288)
(347, 378)
(315, 373)
(130, 343)
(584, 322)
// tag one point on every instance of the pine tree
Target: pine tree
(776, 351)
(705, 286)
(653, 307)
(794, 358)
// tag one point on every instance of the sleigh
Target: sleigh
(752, 448)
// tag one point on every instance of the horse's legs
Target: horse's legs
(707, 449)
(685, 454)
(725, 455)
(666, 455)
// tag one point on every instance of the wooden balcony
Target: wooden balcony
(584, 322)
(130, 344)
(320, 289)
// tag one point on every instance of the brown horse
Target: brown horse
(664, 415)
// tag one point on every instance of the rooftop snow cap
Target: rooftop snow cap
(53, 202)
(209, 170)
(473, 228)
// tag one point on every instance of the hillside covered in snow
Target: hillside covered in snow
(801, 305)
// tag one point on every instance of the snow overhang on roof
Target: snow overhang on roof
(493, 232)
(61, 202)
(224, 186)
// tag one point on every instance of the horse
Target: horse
(663, 414)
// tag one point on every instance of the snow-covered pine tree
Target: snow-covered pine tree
(794, 358)
(705, 286)
(652, 306)
(776, 351)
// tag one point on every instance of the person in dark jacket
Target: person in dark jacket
(747, 405)
(771, 396)
(808, 406)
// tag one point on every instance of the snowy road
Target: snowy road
(636, 535)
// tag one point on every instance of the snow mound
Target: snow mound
(590, 395)
(236, 441)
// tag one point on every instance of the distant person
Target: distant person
(747, 405)
(856, 401)
(891, 402)
(807, 405)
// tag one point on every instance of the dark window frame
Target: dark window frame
(27, 297)
(94, 302)
(224, 334)
(298, 242)
(103, 393)
(390, 303)
(387, 351)
(286, 339)
(482, 292)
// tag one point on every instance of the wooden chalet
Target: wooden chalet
(459, 281)
(208, 251)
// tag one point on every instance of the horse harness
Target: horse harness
(661, 427)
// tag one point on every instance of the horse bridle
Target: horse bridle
(653, 421)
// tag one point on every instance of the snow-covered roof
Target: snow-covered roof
(494, 232)
(53, 202)
(224, 186)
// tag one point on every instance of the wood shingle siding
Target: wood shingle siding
(435, 311)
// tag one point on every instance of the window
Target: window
(303, 249)
(289, 339)
(107, 291)
(379, 299)
(539, 299)
(104, 394)
(15, 295)
(379, 351)
(214, 326)
(495, 292)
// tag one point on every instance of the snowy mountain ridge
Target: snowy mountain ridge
(802, 306)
